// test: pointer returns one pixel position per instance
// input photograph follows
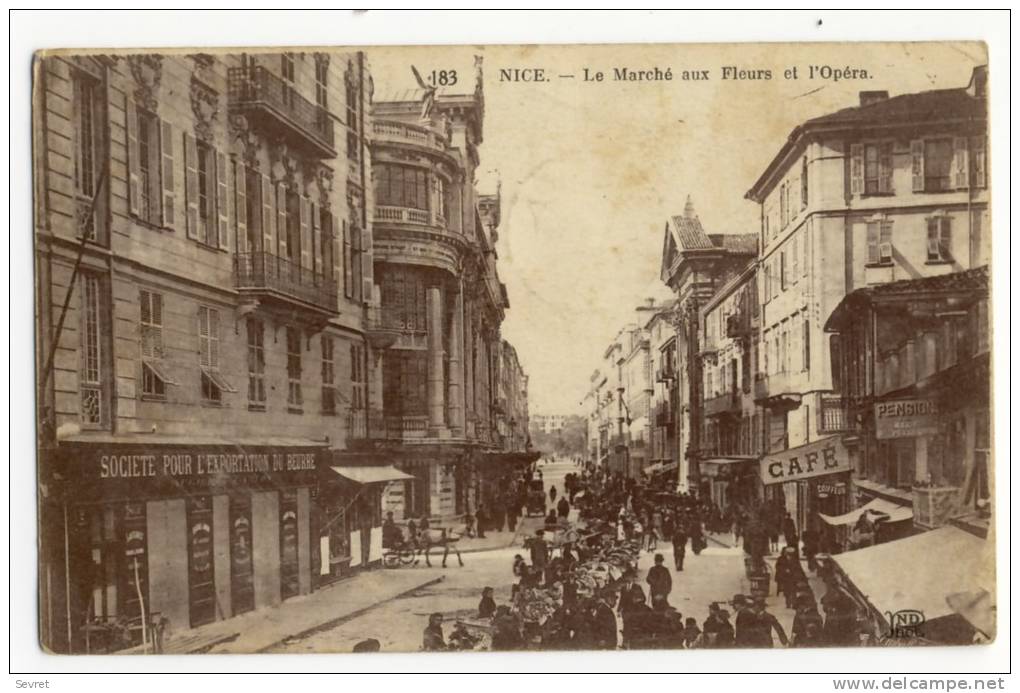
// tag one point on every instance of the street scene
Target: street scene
(513, 348)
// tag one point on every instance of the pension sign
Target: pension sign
(826, 456)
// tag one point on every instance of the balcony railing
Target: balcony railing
(406, 132)
(832, 415)
(265, 272)
(259, 92)
(403, 215)
(380, 426)
(726, 402)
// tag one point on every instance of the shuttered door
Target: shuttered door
(289, 566)
(242, 584)
(201, 574)
(134, 572)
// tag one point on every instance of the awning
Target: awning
(878, 510)
(659, 468)
(721, 466)
(371, 475)
(919, 572)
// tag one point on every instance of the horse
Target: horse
(439, 536)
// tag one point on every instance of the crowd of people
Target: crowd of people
(556, 604)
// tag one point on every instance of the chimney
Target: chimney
(978, 87)
(872, 97)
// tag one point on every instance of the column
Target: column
(456, 387)
(469, 371)
(437, 406)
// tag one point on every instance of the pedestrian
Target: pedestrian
(764, 625)
(487, 606)
(697, 534)
(551, 522)
(807, 623)
(637, 622)
(469, 524)
(789, 530)
(412, 533)
(629, 591)
(744, 622)
(788, 574)
(656, 523)
(717, 630)
(692, 634)
(539, 552)
(604, 628)
(563, 507)
(810, 542)
(481, 520)
(432, 637)
(679, 544)
(390, 532)
(506, 631)
(513, 513)
(552, 494)
(660, 584)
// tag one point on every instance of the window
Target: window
(348, 262)
(287, 72)
(357, 259)
(878, 168)
(91, 369)
(782, 270)
(784, 209)
(784, 351)
(293, 239)
(351, 94)
(940, 239)
(938, 165)
(148, 168)
(206, 195)
(213, 384)
(85, 130)
(440, 197)
(321, 81)
(402, 186)
(256, 364)
(405, 376)
(154, 375)
(807, 345)
(795, 260)
(803, 183)
(359, 401)
(295, 400)
(327, 252)
(880, 242)
(328, 377)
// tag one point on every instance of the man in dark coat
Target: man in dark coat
(744, 622)
(604, 628)
(563, 507)
(717, 630)
(539, 552)
(629, 592)
(660, 583)
(679, 538)
(789, 530)
(764, 624)
(432, 637)
(481, 520)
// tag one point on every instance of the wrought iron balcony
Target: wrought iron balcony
(832, 415)
(727, 402)
(407, 133)
(262, 96)
(276, 279)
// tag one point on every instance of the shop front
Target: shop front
(730, 480)
(174, 532)
(350, 507)
(808, 480)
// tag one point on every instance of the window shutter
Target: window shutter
(134, 172)
(980, 164)
(804, 249)
(203, 336)
(960, 165)
(885, 247)
(856, 169)
(873, 243)
(917, 165)
(191, 185)
(946, 237)
(241, 208)
(222, 202)
(317, 242)
(166, 151)
(885, 168)
(268, 221)
(214, 338)
(305, 230)
(281, 219)
(366, 265)
(933, 238)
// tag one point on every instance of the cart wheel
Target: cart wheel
(407, 556)
(390, 560)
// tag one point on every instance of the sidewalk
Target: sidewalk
(259, 630)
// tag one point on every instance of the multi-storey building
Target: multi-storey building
(436, 346)
(694, 265)
(549, 423)
(731, 425)
(600, 419)
(894, 188)
(195, 216)
(664, 454)
(512, 419)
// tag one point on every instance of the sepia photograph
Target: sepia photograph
(527, 348)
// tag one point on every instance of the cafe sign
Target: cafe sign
(826, 456)
(905, 418)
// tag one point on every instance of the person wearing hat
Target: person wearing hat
(539, 552)
(718, 632)
(487, 605)
(629, 592)
(764, 624)
(660, 583)
(788, 574)
(604, 628)
(744, 622)
(807, 623)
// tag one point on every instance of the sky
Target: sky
(590, 171)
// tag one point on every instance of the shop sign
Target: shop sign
(831, 489)
(905, 418)
(826, 456)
